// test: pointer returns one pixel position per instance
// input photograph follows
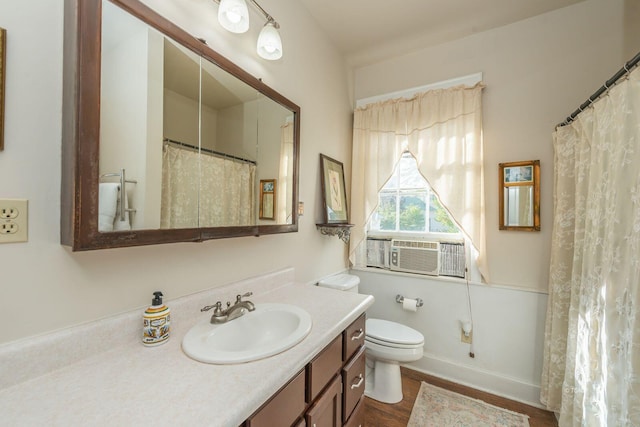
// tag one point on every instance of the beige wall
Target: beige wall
(47, 287)
(631, 28)
(537, 72)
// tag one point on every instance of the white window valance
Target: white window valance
(442, 129)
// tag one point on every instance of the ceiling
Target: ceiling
(372, 30)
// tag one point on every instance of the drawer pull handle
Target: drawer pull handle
(360, 379)
(360, 333)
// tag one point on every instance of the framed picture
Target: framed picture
(267, 199)
(518, 174)
(3, 57)
(334, 195)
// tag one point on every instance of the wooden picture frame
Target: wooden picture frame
(267, 199)
(3, 68)
(519, 196)
(334, 194)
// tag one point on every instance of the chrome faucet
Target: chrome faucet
(234, 311)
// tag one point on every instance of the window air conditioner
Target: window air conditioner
(415, 256)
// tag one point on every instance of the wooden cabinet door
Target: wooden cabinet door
(327, 410)
(323, 368)
(353, 381)
(284, 408)
(357, 416)
(353, 337)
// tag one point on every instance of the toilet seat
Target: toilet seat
(391, 334)
(393, 344)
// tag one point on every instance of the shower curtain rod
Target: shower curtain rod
(209, 151)
(626, 69)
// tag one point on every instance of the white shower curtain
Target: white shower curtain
(443, 130)
(592, 339)
(223, 196)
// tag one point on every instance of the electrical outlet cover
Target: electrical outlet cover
(466, 338)
(13, 220)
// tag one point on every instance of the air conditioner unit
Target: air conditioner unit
(415, 256)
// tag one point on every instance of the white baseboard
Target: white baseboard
(488, 381)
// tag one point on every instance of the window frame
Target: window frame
(397, 192)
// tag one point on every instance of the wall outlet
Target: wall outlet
(466, 338)
(13, 220)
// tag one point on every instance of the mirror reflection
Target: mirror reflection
(183, 143)
(518, 206)
(520, 195)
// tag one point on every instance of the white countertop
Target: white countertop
(129, 384)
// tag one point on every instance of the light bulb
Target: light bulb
(269, 42)
(233, 15)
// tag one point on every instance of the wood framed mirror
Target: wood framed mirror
(268, 199)
(519, 195)
(192, 103)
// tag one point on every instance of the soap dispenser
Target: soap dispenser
(156, 322)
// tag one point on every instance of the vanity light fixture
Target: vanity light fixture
(233, 15)
(269, 42)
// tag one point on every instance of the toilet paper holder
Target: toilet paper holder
(400, 300)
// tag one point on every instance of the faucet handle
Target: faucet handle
(217, 306)
(239, 297)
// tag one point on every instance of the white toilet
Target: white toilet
(386, 345)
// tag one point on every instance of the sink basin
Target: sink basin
(270, 329)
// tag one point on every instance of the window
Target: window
(406, 204)
(409, 213)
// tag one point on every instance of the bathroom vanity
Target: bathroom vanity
(101, 374)
(327, 392)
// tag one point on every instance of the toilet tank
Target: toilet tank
(341, 282)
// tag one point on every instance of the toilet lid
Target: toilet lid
(392, 332)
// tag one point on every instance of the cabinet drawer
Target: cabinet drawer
(357, 416)
(353, 382)
(325, 411)
(284, 408)
(353, 337)
(323, 368)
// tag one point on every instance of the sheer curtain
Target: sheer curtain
(592, 337)
(179, 197)
(285, 190)
(224, 197)
(443, 130)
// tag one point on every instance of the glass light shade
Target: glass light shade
(269, 42)
(233, 15)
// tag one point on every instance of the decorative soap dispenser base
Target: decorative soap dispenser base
(156, 322)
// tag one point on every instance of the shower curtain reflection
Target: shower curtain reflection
(225, 196)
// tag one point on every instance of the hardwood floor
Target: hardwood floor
(379, 414)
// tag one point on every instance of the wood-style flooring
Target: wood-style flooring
(379, 414)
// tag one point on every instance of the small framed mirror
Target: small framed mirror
(267, 199)
(519, 192)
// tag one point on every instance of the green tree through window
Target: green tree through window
(406, 203)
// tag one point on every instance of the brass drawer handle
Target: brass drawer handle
(360, 379)
(360, 333)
